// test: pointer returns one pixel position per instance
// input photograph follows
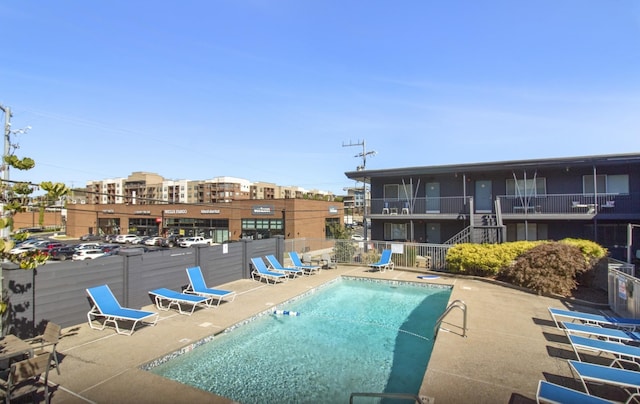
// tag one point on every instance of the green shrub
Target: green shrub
(550, 267)
(485, 259)
(592, 251)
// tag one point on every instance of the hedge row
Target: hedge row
(544, 266)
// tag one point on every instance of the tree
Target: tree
(14, 197)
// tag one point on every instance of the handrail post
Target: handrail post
(455, 304)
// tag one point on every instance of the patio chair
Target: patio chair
(594, 319)
(47, 342)
(198, 286)
(610, 334)
(276, 266)
(25, 377)
(106, 307)
(261, 271)
(622, 353)
(165, 298)
(297, 262)
(385, 210)
(552, 394)
(384, 262)
(628, 380)
(328, 261)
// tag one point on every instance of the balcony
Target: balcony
(549, 206)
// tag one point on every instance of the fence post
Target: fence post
(246, 250)
(127, 263)
(280, 247)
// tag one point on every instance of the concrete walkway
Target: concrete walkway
(511, 343)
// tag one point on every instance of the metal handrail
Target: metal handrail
(401, 396)
(455, 304)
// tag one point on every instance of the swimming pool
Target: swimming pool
(353, 335)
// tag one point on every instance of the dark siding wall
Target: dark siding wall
(57, 291)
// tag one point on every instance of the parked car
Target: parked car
(87, 246)
(21, 249)
(62, 253)
(50, 244)
(126, 238)
(151, 241)
(170, 241)
(90, 237)
(89, 254)
(110, 249)
(357, 237)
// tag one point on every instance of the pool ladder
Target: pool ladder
(400, 396)
(453, 305)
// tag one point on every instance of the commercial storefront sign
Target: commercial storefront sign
(175, 212)
(210, 211)
(263, 210)
(333, 210)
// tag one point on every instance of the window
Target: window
(618, 184)
(399, 192)
(610, 184)
(530, 187)
(395, 231)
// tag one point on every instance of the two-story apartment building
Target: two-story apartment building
(592, 197)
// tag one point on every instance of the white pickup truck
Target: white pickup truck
(190, 241)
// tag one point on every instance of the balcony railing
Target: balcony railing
(548, 204)
(566, 204)
(444, 205)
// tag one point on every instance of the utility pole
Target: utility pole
(361, 167)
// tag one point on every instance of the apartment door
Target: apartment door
(433, 233)
(432, 192)
(483, 197)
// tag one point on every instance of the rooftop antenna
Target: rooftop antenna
(363, 154)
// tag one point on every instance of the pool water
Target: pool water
(351, 336)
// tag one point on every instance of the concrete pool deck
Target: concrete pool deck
(511, 343)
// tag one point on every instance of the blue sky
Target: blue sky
(271, 90)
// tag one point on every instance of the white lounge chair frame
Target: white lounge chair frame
(276, 266)
(166, 298)
(260, 271)
(593, 319)
(198, 286)
(107, 307)
(611, 334)
(297, 262)
(628, 380)
(549, 393)
(384, 262)
(622, 353)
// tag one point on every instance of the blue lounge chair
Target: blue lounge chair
(629, 380)
(611, 334)
(297, 262)
(197, 286)
(549, 393)
(593, 319)
(106, 306)
(622, 353)
(261, 271)
(384, 262)
(165, 298)
(276, 266)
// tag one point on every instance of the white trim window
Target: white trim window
(395, 231)
(530, 187)
(606, 184)
(398, 192)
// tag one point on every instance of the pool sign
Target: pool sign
(622, 288)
